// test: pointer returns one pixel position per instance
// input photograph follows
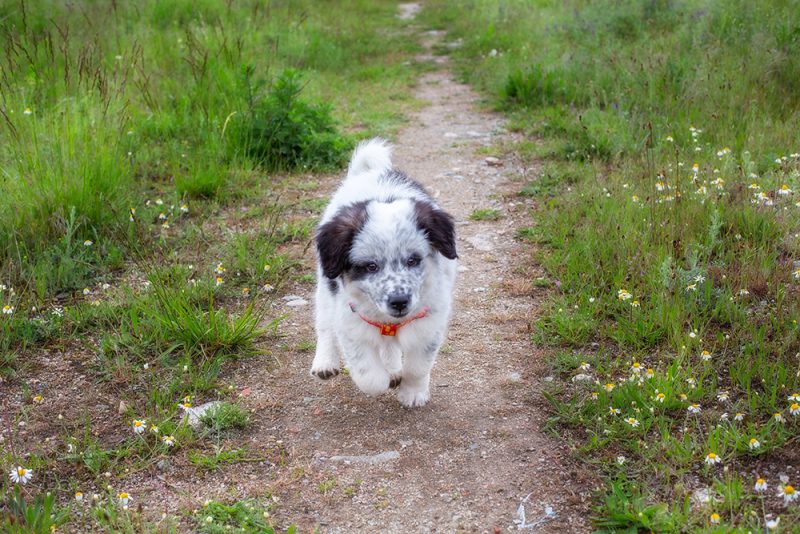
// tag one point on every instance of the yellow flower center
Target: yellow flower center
(21, 471)
(123, 495)
(788, 490)
(711, 455)
(794, 406)
(761, 481)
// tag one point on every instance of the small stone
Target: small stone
(123, 407)
(515, 377)
(367, 459)
(164, 465)
(195, 414)
(451, 135)
(581, 377)
(296, 303)
(492, 161)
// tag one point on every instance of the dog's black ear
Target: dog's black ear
(335, 238)
(438, 227)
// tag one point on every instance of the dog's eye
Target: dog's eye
(413, 261)
(371, 267)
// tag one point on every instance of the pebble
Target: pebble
(195, 414)
(296, 303)
(367, 459)
(581, 377)
(493, 161)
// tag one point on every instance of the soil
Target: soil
(333, 459)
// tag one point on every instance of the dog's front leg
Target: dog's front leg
(326, 359)
(365, 366)
(414, 390)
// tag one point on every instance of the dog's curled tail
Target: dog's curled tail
(372, 155)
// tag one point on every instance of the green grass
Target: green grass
(675, 275)
(146, 153)
(485, 214)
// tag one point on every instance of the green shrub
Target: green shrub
(282, 131)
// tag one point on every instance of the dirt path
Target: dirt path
(466, 461)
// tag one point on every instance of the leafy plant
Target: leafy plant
(283, 131)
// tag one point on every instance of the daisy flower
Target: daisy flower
(245, 291)
(219, 281)
(8, 310)
(623, 295)
(220, 269)
(609, 386)
(636, 367)
(669, 139)
(27, 111)
(692, 382)
(169, 441)
(660, 397)
(723, 396)
(632, 421)
(796, 274)
(699, 278)
(650, 373)
(584, 366)
(614, 411)
(20, 475)
(267, 288)
(78, 496)
(778, 417)
(712, 458)
(784, 190)
(788, 493)
(772, 524)
(739, 416)
(683, 396)
(794, 409)
(184, 208)
(761, 485)
(38, 399)
(139, 425)
(705, 355)
(594, 395)
(714, 518)
(154, 429)
(635, 304)
(794, 397)
(753, 444)
(694, 408)
(691, 287)
(124, 498)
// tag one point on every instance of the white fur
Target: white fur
(391, 231)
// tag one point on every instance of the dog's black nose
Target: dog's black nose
(399, 303)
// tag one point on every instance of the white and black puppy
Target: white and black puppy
(385, 276)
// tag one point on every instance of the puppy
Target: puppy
(386, 269)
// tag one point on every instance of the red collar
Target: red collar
(390, 329)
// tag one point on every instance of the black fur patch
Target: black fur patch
(333, 285)
(395, 176)
(438, 227)
(335, 238)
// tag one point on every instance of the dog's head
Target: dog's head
(382, 250)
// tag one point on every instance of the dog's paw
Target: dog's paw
(413, 398)
(324, 374)
(395, 382)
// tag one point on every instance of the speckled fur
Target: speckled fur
(382, 236)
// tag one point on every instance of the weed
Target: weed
(485, 214)
(243, 516)
(284, 132)
(40, 516)
(225, 416)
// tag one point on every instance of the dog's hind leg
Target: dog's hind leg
(326, 359)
